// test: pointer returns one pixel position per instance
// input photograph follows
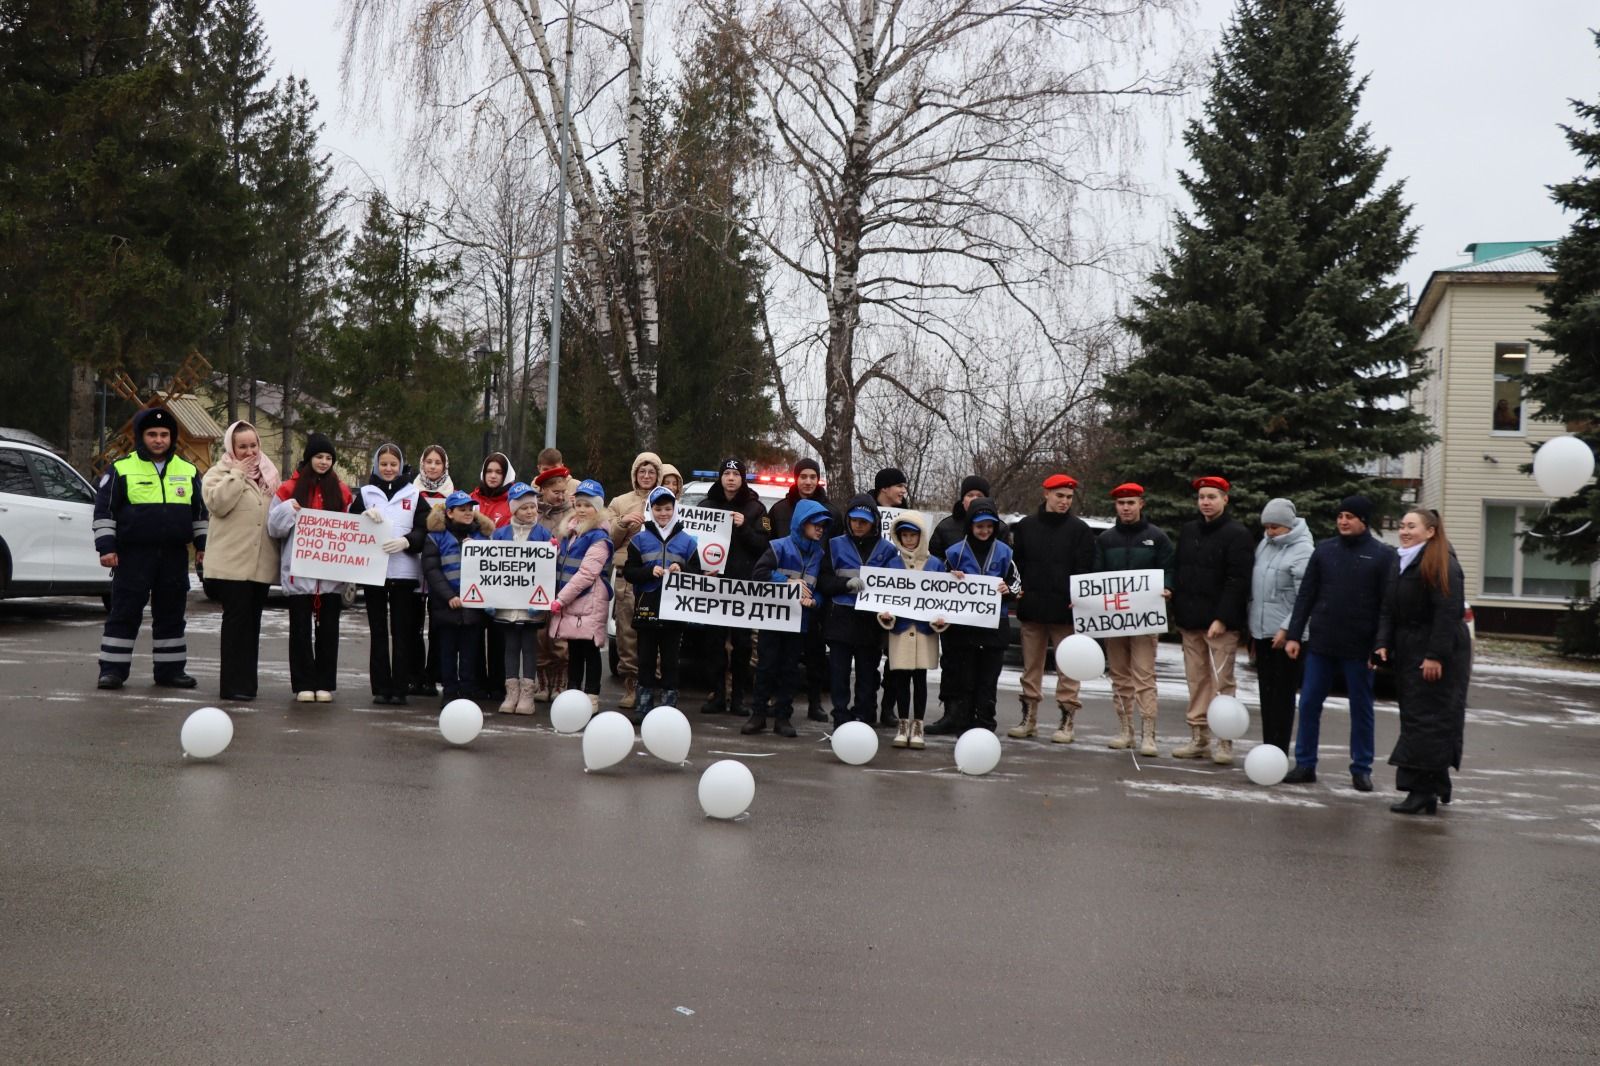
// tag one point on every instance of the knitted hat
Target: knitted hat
(1279, 512)
(807, 464)
(318, 444)
(887, 478)
(1359, 506)
(732, 464)
(974, 483)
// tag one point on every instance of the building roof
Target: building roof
(1492, 261)
(194, 422)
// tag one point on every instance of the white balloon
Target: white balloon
(460, 721)
(571, 711)
(726, 789)
(665, 732)
(1080, 658)
(855, 743)
(1266, 764)
(206, 732)
(1228, 718)
(978, 751)
(607, 739)
(1562, 466)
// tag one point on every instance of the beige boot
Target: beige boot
(1199, 744)
(513, 694)
(1148, 747)
(902, 733)
(1222, 752)
(630, 694)
(541, 688)
(525, 697)
(1030, 722)
(1124, 737)
(916, 742)
(1064, 735)
(594, 701)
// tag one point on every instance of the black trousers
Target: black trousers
(1279, 679)
(396, 658)
(314, 642)
(659, 640)
(242, 604)
(493, 667)
(816, 659)
(460, 649)
(738, 663)
(157, 574)
(779, 674)
(842, 656)
(971, 677)
(906, 693)
(583, 666)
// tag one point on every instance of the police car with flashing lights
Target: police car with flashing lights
(46, 524)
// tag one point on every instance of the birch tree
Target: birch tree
(931, 157)
(465, 50)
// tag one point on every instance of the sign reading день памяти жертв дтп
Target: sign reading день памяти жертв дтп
(508, 574)
(1119, 603)
(930, 596)
(335, 546)
(727, 601)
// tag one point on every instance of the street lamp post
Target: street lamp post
(552, 393)
(482, 353)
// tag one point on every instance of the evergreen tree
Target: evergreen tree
(1569, 391)
(390, 367)
(1275, 349)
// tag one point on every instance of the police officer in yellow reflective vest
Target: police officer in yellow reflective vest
(147, 510)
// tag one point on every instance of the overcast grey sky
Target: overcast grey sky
(1466, 93)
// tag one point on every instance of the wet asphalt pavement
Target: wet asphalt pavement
(341, 886)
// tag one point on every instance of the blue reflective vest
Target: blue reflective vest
(653, 551)
(996, 563)
(569, 559)
(847, 562)
(450, 554)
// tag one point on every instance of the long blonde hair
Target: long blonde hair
(1434, 565)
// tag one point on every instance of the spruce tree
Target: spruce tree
(1569, 391)
(1274, 345)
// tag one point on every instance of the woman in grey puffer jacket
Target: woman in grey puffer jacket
(1281, 560)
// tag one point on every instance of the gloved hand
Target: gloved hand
(855, 584)
(394, 545)
(778, 579)
(374, 514)
(555, 606)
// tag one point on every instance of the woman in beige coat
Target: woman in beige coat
(629, 511)
(913, 646)
(241, 559)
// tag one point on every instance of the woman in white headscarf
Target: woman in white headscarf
(241, 559)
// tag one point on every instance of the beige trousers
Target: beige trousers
(1039, 640)
(1131, 662)
(1208, 667)
(627, 636)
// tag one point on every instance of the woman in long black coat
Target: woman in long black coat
(1423, 633)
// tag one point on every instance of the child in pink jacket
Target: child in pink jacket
(583, 588)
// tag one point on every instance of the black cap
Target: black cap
(888, 477)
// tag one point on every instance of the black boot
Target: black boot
(983, 716)
(715, 705)
(814, 709)
(1444, 792)
(757, 723)
(957, 718)
(1417, 803)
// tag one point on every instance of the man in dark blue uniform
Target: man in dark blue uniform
(147, 510)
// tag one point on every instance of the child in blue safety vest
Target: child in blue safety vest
(660, 547)
(973, 654)
(583, 587)
(458, 630)
(855, 640)
(801, 556)
(518, 630)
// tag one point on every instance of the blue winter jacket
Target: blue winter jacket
(1341, 596)
(795, 558)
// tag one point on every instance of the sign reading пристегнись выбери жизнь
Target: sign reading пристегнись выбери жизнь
(728, 601)
(335, 546)
(508, 574)
(1119, 603)
(930, 596)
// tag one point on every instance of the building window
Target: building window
(1510, 363)
(1516, 565)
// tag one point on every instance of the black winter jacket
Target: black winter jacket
(1212, 573)
(1048, 549)
(1140, 546)
(1341, 596)
(1419, 622)
(750, 539)
(783, 511)
(952, 527)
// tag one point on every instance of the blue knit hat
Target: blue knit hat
(459, 499)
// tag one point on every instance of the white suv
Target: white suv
(46, 527)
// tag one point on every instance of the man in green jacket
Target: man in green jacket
(1134, 544)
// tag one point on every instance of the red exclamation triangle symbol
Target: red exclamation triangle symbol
(539, 598)
(472, 595)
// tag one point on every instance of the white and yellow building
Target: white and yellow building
(1479, 326)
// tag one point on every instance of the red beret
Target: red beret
(1126, 490)
(551, 474)
(1211, 481)
(1060, 481)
